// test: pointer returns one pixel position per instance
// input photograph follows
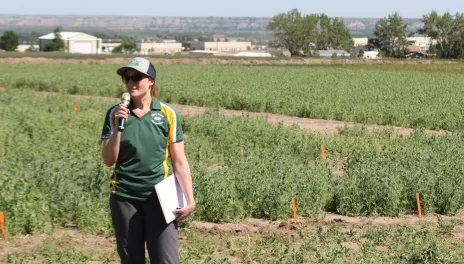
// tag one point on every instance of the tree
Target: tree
(447, 31)
(125, 47)
(333, 34)
(9, 41)
(289, 30)
(373, 44)
(391, 35)
(302, 33)
(57, 43)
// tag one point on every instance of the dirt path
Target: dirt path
(318, 126)
(248, 227)
(252, 225)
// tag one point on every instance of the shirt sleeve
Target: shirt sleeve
(176, 132)
(107, 130)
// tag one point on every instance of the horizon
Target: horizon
(239, 8)
(102, 15)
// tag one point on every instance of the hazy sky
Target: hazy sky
(231, 8)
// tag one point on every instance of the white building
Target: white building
(360, 41)
(75, 42)
(23, 48)
(252, 54)
(160, 48)
(221, 46)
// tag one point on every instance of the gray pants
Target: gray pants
(138, 222)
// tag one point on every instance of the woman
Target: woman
(152, 133)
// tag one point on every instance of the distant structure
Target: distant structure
(219, 37)
(420, 44)
(75, 42)
(24, 47)
(252, 54)
(159, 48)
(330, 53)
(108, 47)
(221, 46)
(374, 54)
(360, 41)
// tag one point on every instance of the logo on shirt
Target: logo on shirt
(157, 118)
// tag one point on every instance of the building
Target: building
(221, 46)
(75, 42)
(360, 41)
(107, 48)
(420, 44)
(24, 48)
(330, 53)
(203, 53)
(161, 48)
(252, 54)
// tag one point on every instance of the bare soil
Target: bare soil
(254, 225)
(248, 227)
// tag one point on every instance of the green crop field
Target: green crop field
(427, 96)
(52, 175)
(46, 146)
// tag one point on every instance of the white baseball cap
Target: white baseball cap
(141, 65)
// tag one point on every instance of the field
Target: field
(244, 201)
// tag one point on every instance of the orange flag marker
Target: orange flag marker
(242, 153)
(2, 224)
(75, 109)
(295, 216)
(419, 211)
(324, 158)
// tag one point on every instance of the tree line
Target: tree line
(305, 34)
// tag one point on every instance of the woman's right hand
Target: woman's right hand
(121, 112)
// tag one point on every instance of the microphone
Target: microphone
(125, 100)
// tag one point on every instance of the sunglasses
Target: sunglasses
(135, 78)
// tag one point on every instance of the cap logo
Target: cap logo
(134, 62)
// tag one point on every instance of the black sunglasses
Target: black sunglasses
(135, 78)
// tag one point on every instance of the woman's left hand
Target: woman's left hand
(184, 212)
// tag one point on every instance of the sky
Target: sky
(231, 8)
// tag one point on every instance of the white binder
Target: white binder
(170, 196)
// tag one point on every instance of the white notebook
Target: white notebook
(170, 196)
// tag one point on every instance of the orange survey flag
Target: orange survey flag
(2, 224)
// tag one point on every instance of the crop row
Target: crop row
(415, 98)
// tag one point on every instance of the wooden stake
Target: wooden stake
(295, 216)
(419, 211)
(324, 158)
(2, 224)
(242, 153)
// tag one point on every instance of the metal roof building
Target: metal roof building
(75, 42)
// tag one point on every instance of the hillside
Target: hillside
(40, 23)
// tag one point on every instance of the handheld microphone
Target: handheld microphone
(125, 100)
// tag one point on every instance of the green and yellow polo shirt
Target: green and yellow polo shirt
(144, 149)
